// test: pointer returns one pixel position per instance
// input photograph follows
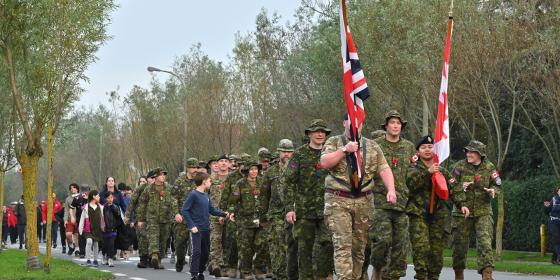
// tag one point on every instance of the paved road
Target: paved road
(127, 270)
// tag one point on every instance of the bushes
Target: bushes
(524, 211)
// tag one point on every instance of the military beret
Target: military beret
(428, 139)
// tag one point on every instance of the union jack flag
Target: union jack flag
(355, 89)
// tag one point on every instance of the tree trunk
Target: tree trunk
(2, 173)
(500, 226)
(50, 179)
(425, 117)
(29, 165)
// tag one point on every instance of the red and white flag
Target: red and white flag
(442, 146)
(355, 86)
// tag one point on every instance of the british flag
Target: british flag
(355, 87)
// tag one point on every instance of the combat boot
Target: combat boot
(487, 273)
(459, 274)
(159, 266)
(330, 277)
(260, 274)
(231, 273)
(180, 264)
(143, 262)
(247, 276)
(154, 261)
(376, 274)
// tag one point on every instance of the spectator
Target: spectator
(54, 226)
(78, 203)
(21, 222)
(552, 209)
(70, 218)
(92, 226)
(110, 187)
(112, 216)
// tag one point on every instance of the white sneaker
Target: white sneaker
(105, 261)
(172, 260)
(110, 262)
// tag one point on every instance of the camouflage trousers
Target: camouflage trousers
(367, 257)
(483, 227)
(230, 245)
(278, 247)
(292, 254)
(349, 220)
(182, 240)
(143, 242)
(216, 252)
(251, 243)
(389, 240)
(308, 232)
(157, 233)
(429, 236)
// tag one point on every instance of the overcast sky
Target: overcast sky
(153, 33)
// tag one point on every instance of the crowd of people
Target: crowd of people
(299, 213)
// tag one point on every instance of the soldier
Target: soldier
(389, 234)
(275, 213)
(305, 179)
(156, 210)
(233, 162)
(481, 182)
(202, 167)
(264, 158)
(217, 266)
(213, 164)
(349, 210)
(180, 191)
(131, 211)
(248, 201)
(428, 233)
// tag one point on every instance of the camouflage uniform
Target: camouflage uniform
(305, 181)
(157, 208)
(428, 232)
(350, 216)
(248, 202)
(216, 252)
(389, 233)
(181, 189)
(229, 239)
(277, 224)
(131, 211)
(479, 203)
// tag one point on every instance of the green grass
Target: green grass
(13, 266)
(513, 261)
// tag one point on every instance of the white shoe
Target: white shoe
(110, 262)
(105, 261)
(172, 260)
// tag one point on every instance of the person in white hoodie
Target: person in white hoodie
(92, 226)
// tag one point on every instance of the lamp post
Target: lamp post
(154, 69)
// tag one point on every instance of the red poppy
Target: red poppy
(318, 166)
(477, 178)
(255, 193)
(394, 161)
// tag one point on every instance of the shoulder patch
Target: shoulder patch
(414, 159)
(496, 177)
(293, 165)
(457, 172)
(452, 181)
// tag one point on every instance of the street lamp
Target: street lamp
(154, 69)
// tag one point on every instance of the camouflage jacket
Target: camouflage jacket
(483, 176)
(398, 156)
(419, 182)
(157, 205)
(230, 181)
(305, 183)
(181, 189)
(248, 202)
(273, 180)
(216, 189)
(133, 206)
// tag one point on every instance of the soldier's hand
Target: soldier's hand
(466, 185)
(392, 197)
(291, 217)
(465, 211)
(178, 218)
(491, 192)
(547, 204)
(140, 224)
(434, 168)
(351, 147)
(194, 230)
(126, 220)
(232, 217)
(131, 225)
(221, 220)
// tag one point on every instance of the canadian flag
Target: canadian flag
(442, 146)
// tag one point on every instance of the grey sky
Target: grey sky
(153, 33)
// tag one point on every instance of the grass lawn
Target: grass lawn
(12, 266)
(513, 261)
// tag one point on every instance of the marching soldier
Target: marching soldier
(305, 179)
(156, 210)
(180, 191)
(481, 182)
(275, 214)
(216, 266)
(389, 234)
(429, 214)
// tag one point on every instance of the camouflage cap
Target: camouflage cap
(378, 133)
(318, 125)
(285, 145)
(393, 114)
(264, 154)
(233, 157)
(251, 163)
(212, 158)
(476, 146)
(158, 171)
(245, 157)
(202, 164)
(192, 163)
(151, 173)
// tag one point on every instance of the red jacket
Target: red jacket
(57, 207)
(12, 219)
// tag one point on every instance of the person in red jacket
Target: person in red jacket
(57, 206)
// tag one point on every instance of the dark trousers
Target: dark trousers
(200, 243)
(21, 235)
(54, 232)
(554, 239)
(108, 248)
(82, 244)
(13, 235)
(62, 230)
(5, 231)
